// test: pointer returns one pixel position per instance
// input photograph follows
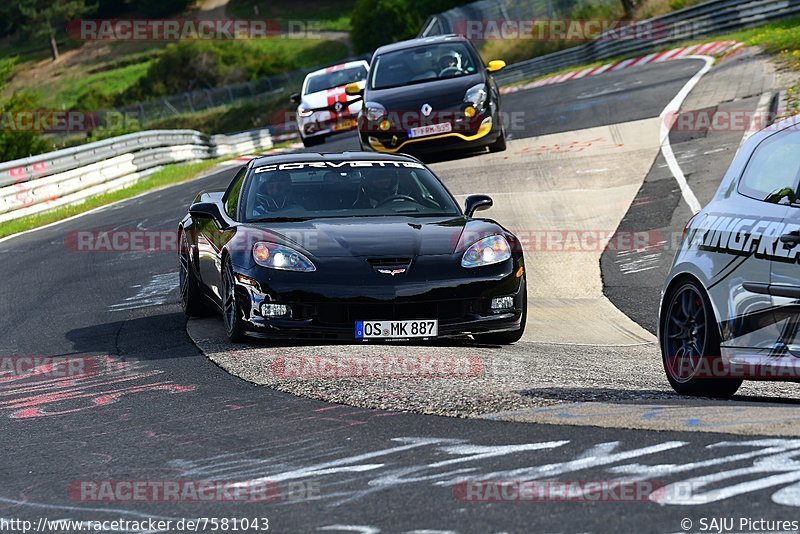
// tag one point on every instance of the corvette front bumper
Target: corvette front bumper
(461, 306)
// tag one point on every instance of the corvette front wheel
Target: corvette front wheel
(231, 314)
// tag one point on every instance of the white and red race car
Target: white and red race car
(323, 107)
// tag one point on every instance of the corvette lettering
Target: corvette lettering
(743, 236)
(337, 165)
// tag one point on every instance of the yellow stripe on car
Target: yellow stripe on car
(483, 130)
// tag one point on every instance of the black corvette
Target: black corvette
(430, 95)
(353, 246)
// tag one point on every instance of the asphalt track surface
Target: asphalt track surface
(152, 407)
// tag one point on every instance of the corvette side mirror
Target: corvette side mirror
(295, 97)
(208, 210)
(475, 203)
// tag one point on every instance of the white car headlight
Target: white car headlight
(275, 256)
(374, 111)
(304, 111)
(487, 251)
(476, 95)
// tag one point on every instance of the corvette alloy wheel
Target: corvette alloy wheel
(231, 315)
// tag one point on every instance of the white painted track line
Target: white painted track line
(667, 118)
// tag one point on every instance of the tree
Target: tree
(629, 6)
(17, 144)
(41, 18)
(379, 22)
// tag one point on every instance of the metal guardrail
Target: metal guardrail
(40, 183)
(695, 22)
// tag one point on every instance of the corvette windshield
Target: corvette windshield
(328, 189)
(337, 78)
(422, 64)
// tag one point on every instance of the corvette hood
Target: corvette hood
(376, 237)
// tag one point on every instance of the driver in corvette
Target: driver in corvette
(378, 185)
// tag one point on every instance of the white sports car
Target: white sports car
(323, 106)
(730, 308)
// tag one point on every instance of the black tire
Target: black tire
(512, 336)
(312, 141)
(690, 344)
(500, 144)
(193, 302)
(231, 313)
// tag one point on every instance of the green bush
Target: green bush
(191, 65)
(379, 22)
(20, 144)
(160, 8)
(375, 23)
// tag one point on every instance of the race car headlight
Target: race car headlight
(375, 111)
(487, 251)
(275, 256)
(476, 95)
(304, 111)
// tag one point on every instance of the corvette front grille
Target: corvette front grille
(385, 263)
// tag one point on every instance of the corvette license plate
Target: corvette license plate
(430, 130)
(344, 125)
(396, 329)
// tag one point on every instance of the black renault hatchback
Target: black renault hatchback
(430, 95)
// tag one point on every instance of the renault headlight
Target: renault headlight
(375, 111)
(304, 111)
(275, 256)
(487, 251)
(476, 95)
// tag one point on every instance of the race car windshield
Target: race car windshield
(422, 64)
(299, 191)
(336, 78)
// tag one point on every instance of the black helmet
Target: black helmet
(381, 181)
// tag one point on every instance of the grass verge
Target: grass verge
(172, 174)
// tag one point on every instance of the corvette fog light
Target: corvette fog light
(274, 310)
(385, 125)
(469, 111)
(502, 303)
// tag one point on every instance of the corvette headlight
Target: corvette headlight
(375, 111)
(476, 95)
(487, 251)
(304, 111)
(277, 256)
